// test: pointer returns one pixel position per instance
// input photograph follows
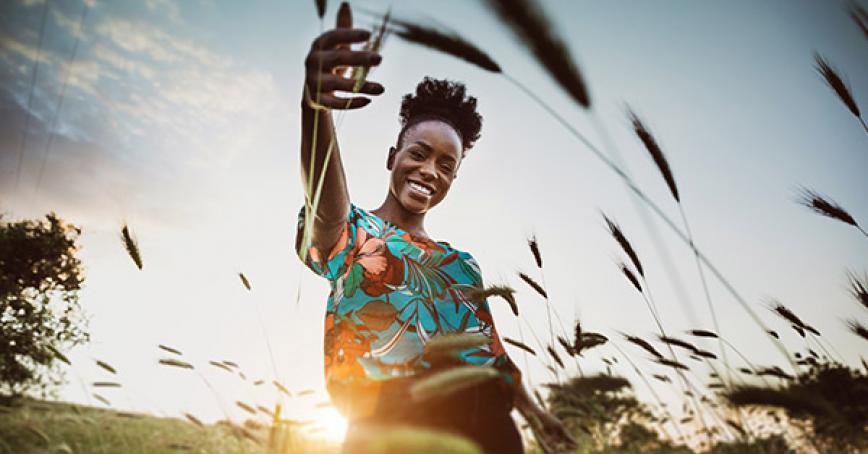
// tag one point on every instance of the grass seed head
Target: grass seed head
(447, 42)
(533, 284)
(622, 241)
(859, 288)
(825, 206)
(834, 81)
(502, 291)
(131, 245)
(449, 381)
(656, 153)
(520, 345)
(534, 30)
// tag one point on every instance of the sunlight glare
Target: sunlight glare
(334, 426)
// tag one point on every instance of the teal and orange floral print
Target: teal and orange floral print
(391, 293)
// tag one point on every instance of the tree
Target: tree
(40, 316)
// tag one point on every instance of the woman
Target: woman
(393, 288)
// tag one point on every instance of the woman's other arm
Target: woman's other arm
(325, 65)
(549, 430)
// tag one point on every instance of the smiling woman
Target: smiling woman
(393, 288)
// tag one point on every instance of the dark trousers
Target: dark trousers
(480, 413)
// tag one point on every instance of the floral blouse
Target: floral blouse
(391, 292)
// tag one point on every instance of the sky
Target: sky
(182, 120)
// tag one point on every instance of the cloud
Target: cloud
(27, 51)
(68, 24)
(168, 7)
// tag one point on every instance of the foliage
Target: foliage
(602, 414)
(827, 400)
(39, 311)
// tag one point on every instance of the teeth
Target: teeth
(420, 188)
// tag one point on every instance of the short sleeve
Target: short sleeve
(331, 264)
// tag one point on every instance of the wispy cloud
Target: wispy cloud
(138, 95)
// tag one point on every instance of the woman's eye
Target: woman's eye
(446, 168)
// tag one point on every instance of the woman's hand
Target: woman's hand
(547, 429)
(326, 63)
(550, 433)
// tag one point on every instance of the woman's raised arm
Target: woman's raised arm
(329, 57)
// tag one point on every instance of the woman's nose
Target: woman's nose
(428, 171)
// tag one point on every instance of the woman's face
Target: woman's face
(425, 166)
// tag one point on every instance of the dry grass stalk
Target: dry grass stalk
(788, 315)
(826, 207)
(534, 249)
(859, 288)
(106, 366)
(520, 345)
(58, 355)
(176, 363)
(860, 16)
(449, 381)
(281, 388)
(656, 153)
(622, 241)
(858, 329)
(169, 349)
(774, 371)
(360, 73)
(194, 420)
(447, 42)
(644, 345)
(533, 284)
(230, 363)
(502, 291)
(678, 343)
(102, 399)
(106, 384)
(244, 281)
(705, 354)
(555, 355)
(567, 346)
(589, 340)
(834, 81)
(220, 365)
(702, 333)
(630, 276)
(773, 334)
(245, 407)
(445, 349)
(131, 246)
(533, 29)
(672, 363)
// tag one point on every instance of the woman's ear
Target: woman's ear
(390, 161)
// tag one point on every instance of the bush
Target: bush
(40, 316)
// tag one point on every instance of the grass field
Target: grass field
(31, 426)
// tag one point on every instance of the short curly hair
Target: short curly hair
(445, 100)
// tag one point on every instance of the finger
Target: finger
(345, 16)
(335, 102)
(324, 61)
(336, 37)
(337, 58)
(334, 83)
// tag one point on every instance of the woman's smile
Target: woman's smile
(421, 189)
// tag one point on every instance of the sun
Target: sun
(334, 426)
